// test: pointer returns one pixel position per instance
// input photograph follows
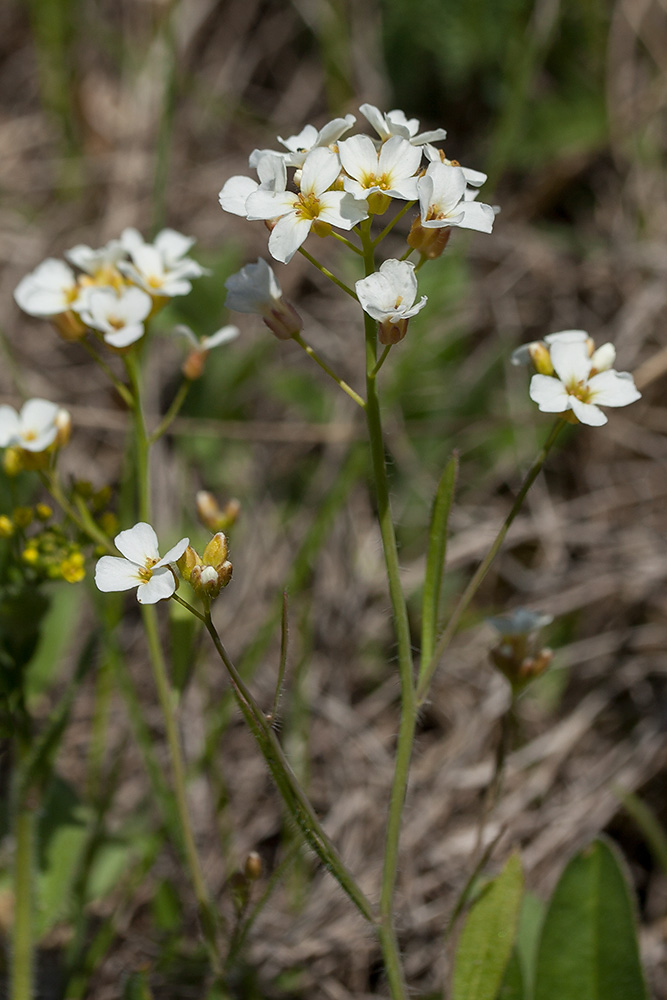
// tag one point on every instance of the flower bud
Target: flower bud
(378, 203)
(541, 358)
(6, 527)
(429, 242)
(12, 462)
(187, 563)
(63, 423)
(283, 320)
(253, 867)
(69, 325)
(392, 333)
(215, 552)
(193, 366)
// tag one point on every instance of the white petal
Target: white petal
(320, 170)
(398, 158)
(358, 156)
(375, 118)
(272, 173)
(571, 361)
(423, 137)
(604, 357)
(587, 413)
(611, 388)
(161, 585)
(549, 394)
(269, 204)
(9, 425)
(477, 216)
(333, 130)
(235, 193)
(222, 336)
(125, 336)
(303, 140)
(113, 573)
(174, 553)
(37, 415)
(287, 236)
(138, 544)
(567, 337)
(252, 288)
(342, 209)
(172, 245)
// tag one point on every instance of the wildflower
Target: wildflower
(395, 123)
(474, 178)
(577, 387)
(255, 289)
(389, 171)
(209, 573)
(160, 268)
(272, 175)
(49, 290)
(119, 316)
(34, 429)
(99, 265)
(296, 213)
(442, 200)
(538, 351)
(388, 296)
(310, 138)
(520, 655)
(193, 366)
(141, 565)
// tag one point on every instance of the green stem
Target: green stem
(429, 667)
(172, 412)
(141, 440)
(293, 795)
(22, 940)
(327, 273)
(122, 389)
(81, 517)
(387, 931)
(383, 358)
(388, 228)
(206, 913)
(348, 243)
(310, 351)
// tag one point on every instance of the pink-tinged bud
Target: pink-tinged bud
(429, 242)
(392, 333)
(193, 366)
(283, 320)
(215, 552)
(541, 358)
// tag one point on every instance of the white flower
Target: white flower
(310, 138)
(255, 289)
(119, 316)
(34, 429)
(160, 268)
(388, 171)
(49, 290)
(474, 178)
(577, 386)
(221, 336)
(296, 213)
(442, 200)
(96, 262)
(141, 566)
(538, 351)
(272, 175)
(396, 123)
(389, 297)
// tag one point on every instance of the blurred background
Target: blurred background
(134, 114)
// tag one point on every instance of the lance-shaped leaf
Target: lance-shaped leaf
(435, 558)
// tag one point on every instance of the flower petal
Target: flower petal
(612, 388)
(138, 544)
(161, 586)
(587, 413)
(113, 573)
(549, 393)
(174, 553)
(9, 425)
(287, 236)
(571, 361)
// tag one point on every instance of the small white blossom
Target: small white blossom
(442, 200)
(310, 138)
(49, 290)
(160, 268)
(141, 566)
(389, 297)
(296, 213)
(221, 336)
(389, 170)
(255, 289)
(395, 123)
(97, 262)
(474, 178)
(34, 428)
(577, 386)
(272, 175)
(118, 315)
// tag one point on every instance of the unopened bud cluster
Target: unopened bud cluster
(209, 573)
(520, 656)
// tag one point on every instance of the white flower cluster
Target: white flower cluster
(340, 182)
(117, 288)
(38, 426)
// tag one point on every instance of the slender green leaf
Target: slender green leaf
(435, 558)
(650, 826)
(513, 987)
(588, 948)
(531, 920)
(487, 938)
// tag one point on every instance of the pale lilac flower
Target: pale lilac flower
(296, 213)
(255, 289)
(49, 290)
(389, 297)
(272, 175)
(141, 566)
(389, 170)
(34, 428)
(119, 316)
(576, 385)
(395, 123)
(442, 201)
(160, 268)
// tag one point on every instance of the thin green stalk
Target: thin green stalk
(388, 228)
(348, 243)
(121, 389)
(387, 933)
(206, 913)
(293, 795)
(429, 667)
(172, 412)
(22, 939)
(327, 273)
(383, 358)
(141, 440)
(81, 518)
(310, 351)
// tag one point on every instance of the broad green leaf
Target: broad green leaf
(435, 558)
(588, 948)
(487, 938)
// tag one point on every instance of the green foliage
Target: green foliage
(588, 947)
(486, 942)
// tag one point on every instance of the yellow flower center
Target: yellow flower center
(307, 206)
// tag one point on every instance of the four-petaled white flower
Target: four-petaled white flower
(389, 297)
(390, 171)
(160, 268)
(255, 289)
(443, 202)
(396, 123)
(118, 315)
(296, 213)
(272, 175)
(49, 290)
(578, 386)
(310, 138)
(141, 566)
(34, 428)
